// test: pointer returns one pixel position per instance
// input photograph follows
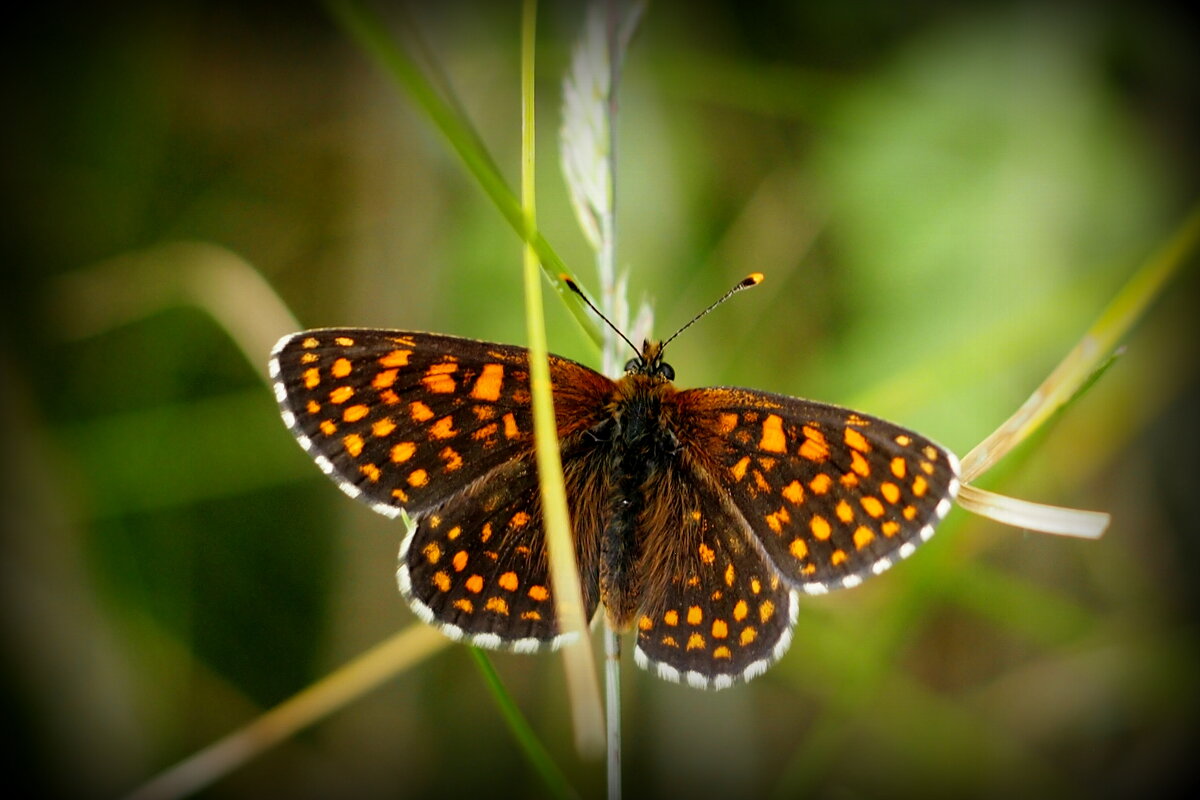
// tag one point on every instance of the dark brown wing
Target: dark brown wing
(409, 420)
(833, 496)
(716, 611)
(442, 427)
(476, 566)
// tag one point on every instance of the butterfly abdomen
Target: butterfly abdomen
(642, 446)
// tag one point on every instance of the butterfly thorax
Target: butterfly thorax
(642, 446)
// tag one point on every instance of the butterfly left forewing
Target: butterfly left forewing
(834, 496)
(403, 419)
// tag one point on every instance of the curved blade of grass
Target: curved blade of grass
(1033, 516)
(366, 672)
(368, 31)
(535, 751)
(1097, 344)
(135, 285)
(564, 573)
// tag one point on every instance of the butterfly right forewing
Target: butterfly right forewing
(832, 495)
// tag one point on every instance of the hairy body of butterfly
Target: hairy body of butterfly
(698, 515)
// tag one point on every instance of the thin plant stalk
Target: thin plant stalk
(564, 573)
(370, 34)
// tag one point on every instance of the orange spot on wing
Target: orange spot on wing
(418, 478)
(355, 413)
(749, 634)
(798, 548)
(890, 492)
(739, 469)
(740, 611)
(396, 358)
(341, 368)
(508, 581)
(459, 561)
(726, 423)
(442, 581)
(475, 584)
(497, 604)
(371, 472)
(872, 506)
(671, 617)
(465, 605)
(309, 343)
(814, 448)
(341, 394)
(443, 428)
(695, 616)
(695, 642)
(773, 439)
(839, 557)
(820, 484)
(919, 485)
(353, 444)
(844, 512)
(859, 464)
(645, 623)
(820, 527)
(383, 427)
(777, 519)
(898, 467)
(766, 610)
(433, 553)
(890, 528)
(863, 536)
(452, 458)
(511, 431)
(730, 574)
(420, 412)
(385, 379)
(857, 441)
(488, 385)
(328, 427)
(793, 493)
(312, 378)
(707, 555)
(538, 593)
(722, 652)
(344, 341)
(720, 629)
(403, 452)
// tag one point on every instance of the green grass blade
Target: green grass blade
(564, 572)
(369, 33)
(534, 750)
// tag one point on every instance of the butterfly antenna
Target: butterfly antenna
(574, 287)
(753, 279)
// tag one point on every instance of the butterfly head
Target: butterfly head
(650, 362)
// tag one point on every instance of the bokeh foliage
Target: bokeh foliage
(942, 198)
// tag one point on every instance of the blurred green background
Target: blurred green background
(942, 196)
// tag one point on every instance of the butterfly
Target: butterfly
(699, 515)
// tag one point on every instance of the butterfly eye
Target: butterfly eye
(666, 370)
(633, 365)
